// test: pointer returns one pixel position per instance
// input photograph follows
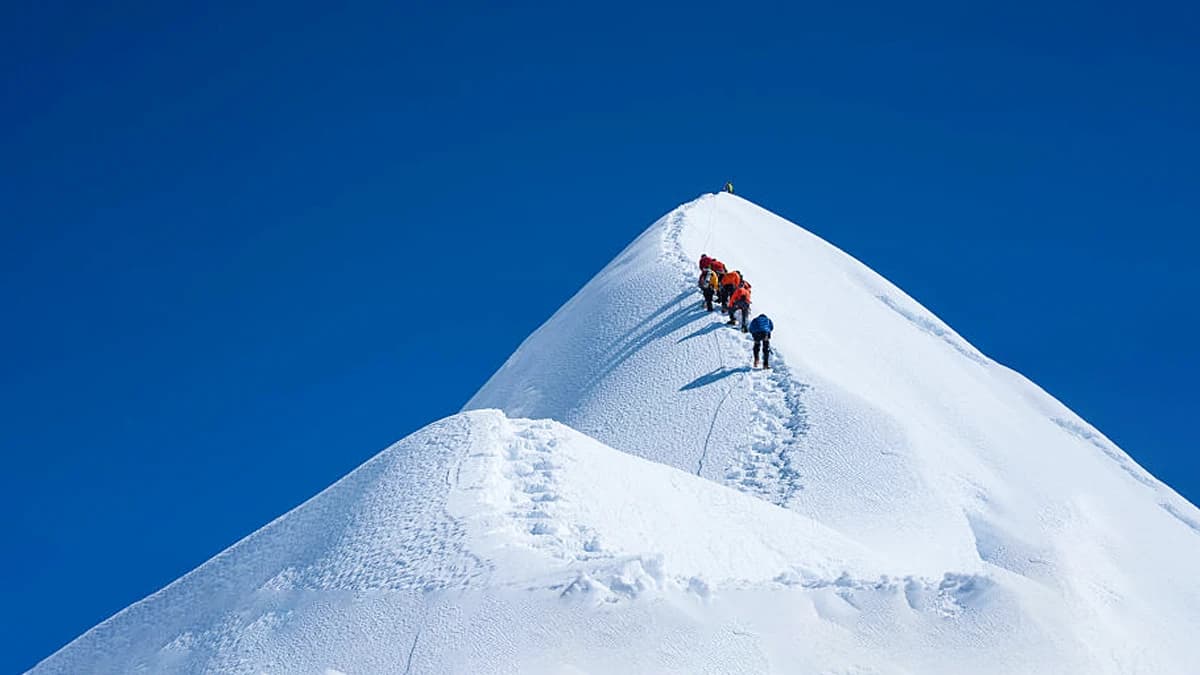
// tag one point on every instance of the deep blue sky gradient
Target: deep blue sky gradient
(246, 246)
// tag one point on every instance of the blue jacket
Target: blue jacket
(761, 324)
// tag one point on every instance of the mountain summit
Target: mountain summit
(627, 495)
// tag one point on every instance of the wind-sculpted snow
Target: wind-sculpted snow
(934, 328)
(885, 499)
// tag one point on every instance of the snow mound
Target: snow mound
(465, 521)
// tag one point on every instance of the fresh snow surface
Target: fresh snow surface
(886, 500)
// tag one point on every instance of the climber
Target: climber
(729, 187)
(760, 330)
(705, 261)
(740, 300)
(708, 286)
(729, 283)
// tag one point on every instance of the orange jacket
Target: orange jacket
(716, 266)
(732, 279)
(740, 294)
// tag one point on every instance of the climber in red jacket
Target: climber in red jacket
(739, 301)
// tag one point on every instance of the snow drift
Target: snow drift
(885, 500)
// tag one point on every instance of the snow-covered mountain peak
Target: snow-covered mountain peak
(878, 420)
(885, 499)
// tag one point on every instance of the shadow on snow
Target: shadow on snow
(716, 325)
(715, 376)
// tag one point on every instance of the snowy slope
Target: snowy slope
(886, 500)
(482, 544)
(878, 421)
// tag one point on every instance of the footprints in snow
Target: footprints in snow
(622, 580)
(948, 597)
(529, 466)
(532, 466)
(671, 246)
(769, 466)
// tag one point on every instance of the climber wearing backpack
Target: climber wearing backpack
(729, 284)
(740, 301)
(760, 330)
(708, 286)
(729, 186)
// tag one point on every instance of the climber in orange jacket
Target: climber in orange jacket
(740, 301)
(729, 283)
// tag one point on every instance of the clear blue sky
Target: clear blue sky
(231, 233)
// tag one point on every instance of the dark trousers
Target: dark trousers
(763, 341)
(744, 308)
(708, 297)
(726, 292)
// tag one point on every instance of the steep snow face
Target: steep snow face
(878, 421)
(483, 544)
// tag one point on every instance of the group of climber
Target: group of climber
(732, 291)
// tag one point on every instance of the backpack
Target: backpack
(761, 324)
(706, 278)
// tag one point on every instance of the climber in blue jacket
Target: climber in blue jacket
(760, 330)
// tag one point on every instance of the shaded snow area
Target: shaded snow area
(886, 499)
